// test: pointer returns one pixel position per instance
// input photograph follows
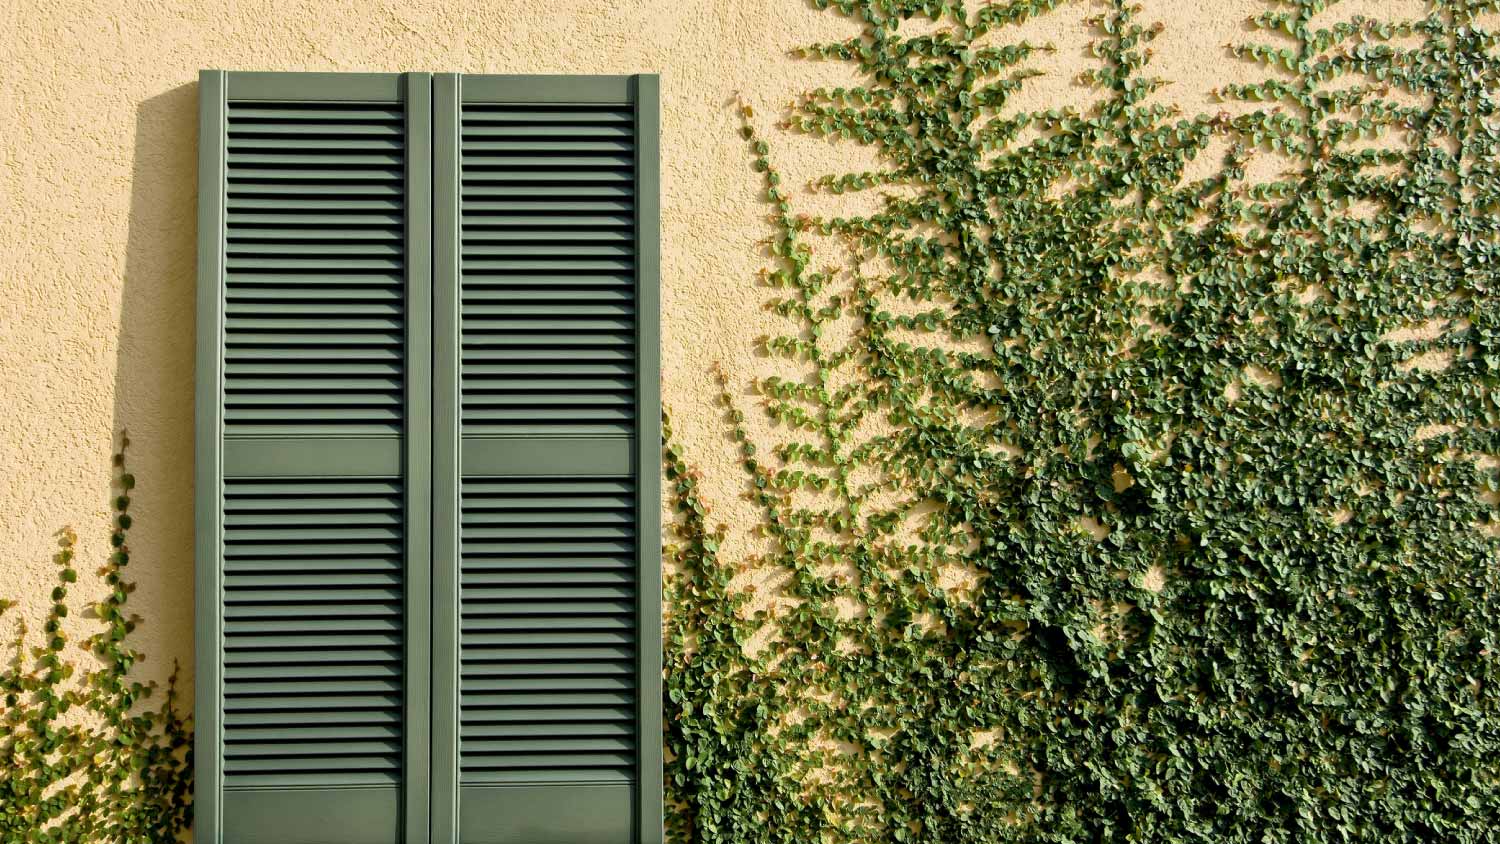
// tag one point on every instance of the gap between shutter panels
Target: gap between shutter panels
(314, 269)
(548, 258)
(312, 632)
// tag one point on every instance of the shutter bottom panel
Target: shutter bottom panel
(547, 814)
(547, 675)
(313, 635)
(369, 815)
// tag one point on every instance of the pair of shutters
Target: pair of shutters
(428, 565)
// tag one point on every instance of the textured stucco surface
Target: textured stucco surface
(97, 178)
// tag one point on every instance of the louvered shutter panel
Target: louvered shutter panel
(428, 582)
(312, 512)
(546, 271)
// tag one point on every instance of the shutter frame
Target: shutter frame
(578, 812)
(445, 456)
(650, 784)
(284, 475)
(418, 475)
(208, 691)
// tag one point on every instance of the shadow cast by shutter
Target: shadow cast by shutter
(154, 378)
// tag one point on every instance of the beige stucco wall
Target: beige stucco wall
(97, 186)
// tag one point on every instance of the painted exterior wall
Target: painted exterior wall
(98, 181)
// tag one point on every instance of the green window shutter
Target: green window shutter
(428, 585)
(312, 512)
(546, 218)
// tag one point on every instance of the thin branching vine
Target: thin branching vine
(87, 756)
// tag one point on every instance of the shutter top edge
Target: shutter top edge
(294, 86)
(556, 89)
(319, 86)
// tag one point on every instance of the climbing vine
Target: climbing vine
(1105, 500)
(86, 757)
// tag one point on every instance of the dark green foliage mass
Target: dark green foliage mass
(1117, 503)
(85, 756)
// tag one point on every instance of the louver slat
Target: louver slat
(548, 256)
(286, 657)
(547, 688)
(314, 248)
